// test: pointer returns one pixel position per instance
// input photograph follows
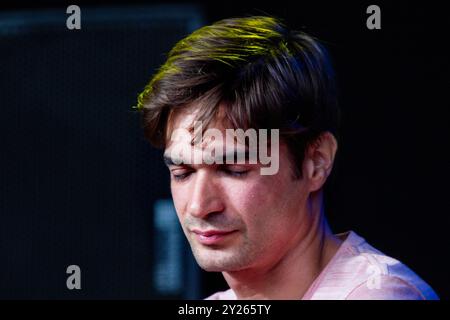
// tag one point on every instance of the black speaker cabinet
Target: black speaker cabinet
(82, 193)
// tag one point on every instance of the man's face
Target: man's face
(234, 217)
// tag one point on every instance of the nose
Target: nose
(205, 196)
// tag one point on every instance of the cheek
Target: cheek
(266, 205)
(245, 195)
(179, 198)
(254, 202)
(264, 192)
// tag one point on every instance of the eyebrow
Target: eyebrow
(169, 161)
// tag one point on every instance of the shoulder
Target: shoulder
(359, 271)
(386, 287)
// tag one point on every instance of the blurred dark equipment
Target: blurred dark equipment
(80, 186)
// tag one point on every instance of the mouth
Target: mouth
(212, 237)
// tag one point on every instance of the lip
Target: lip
(211, 237)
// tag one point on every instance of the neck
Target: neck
(293, 274)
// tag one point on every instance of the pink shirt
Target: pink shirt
(358, 271)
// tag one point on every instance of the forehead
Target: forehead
(186, 117)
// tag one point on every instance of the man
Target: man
(266, 231)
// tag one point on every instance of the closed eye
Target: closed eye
(180, 175)
(234, 172)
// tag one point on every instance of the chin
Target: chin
(212, 268)
(219, 264)
(209, 263)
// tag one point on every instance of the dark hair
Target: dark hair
(266, 75)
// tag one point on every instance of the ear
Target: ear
(319, 159)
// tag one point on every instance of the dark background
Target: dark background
(79, 184)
